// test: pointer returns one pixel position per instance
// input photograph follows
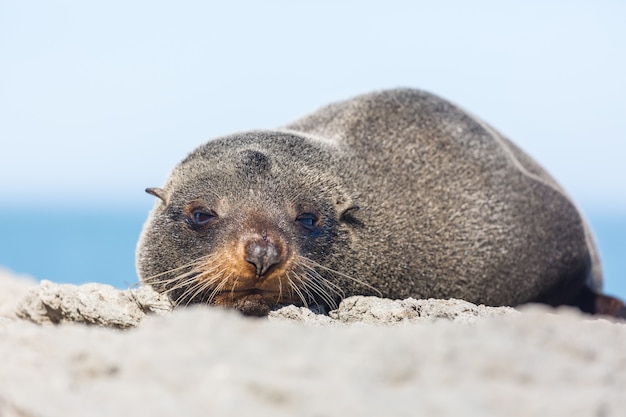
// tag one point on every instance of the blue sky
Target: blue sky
(99, 100)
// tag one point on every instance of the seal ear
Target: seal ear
(349, 211)
(159, 193)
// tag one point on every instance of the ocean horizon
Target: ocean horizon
(81, 245)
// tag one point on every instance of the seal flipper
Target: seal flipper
(592, 302)
(610, 306)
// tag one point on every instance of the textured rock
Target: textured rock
(105, 306)
(301, 315)
(383, 311)
(12, 290)
(439, 360)
(202, 361)
(91, 304)
(375, 310)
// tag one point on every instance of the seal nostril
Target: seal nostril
(263, 255)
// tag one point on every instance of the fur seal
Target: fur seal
(396, 193)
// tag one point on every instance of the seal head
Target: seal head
(246, 222)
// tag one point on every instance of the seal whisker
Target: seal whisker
(150, 279)
(187, 286)
(309, 287)
(170, 285)
(330, 285)
(319, 287)
(218, 288)
(204, 274)
(296, 288)
(179, 280)
(185, 298)
(203, 284)
(192, 291)
(312, 264)
(313, 285)
(280, 288)
(232, 290)
(183, 283)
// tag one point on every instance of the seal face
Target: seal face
(244, 224)
(397, 193)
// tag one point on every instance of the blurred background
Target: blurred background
(99, 100)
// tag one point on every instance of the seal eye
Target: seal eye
(307, 220)
(200, 217)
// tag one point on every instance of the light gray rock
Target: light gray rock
(384, 311)
(98, 304)
(12, 290)
(205, 361)
(106, 306)
(301, 315)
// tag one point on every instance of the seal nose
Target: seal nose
(262, 254)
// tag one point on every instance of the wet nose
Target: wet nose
(262, 254)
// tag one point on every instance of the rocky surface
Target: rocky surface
(90, 304)
(12, 290)
(382, 311)
(440, 358)
(106, 306)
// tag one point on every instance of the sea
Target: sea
(98, 245)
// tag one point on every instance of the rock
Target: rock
(12, 290)
(384, 311)
(301, 315)
(106, 306)
(91, 304)
(201, 361)
(375, 310)
(206, 361)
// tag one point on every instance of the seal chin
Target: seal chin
(252, 302)
(252, 305)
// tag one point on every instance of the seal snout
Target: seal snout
(263, 253)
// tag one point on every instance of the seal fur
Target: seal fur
(397, 193)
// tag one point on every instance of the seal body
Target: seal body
(396, 193)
